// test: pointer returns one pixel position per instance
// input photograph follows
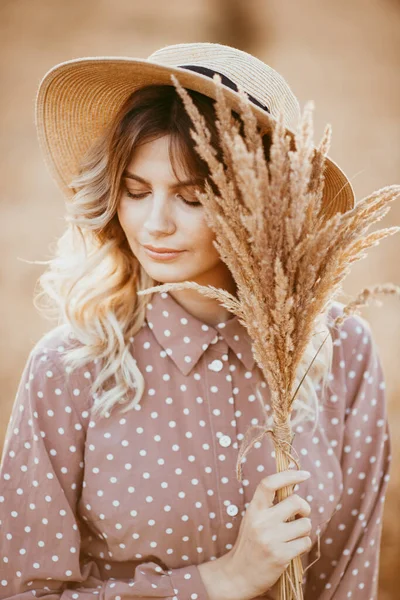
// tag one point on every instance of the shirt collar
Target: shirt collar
(185, 338)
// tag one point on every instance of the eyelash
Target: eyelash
(130, 195)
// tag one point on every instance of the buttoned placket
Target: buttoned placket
(221, 402)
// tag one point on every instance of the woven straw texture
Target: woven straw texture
(77, 99)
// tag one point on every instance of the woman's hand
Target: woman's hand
(266, 542)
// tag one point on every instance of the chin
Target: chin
(166, 278)
(170, 274)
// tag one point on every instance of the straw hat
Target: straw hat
(76, 99)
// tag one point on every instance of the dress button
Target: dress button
(232, 510)
(216, 365)
(225, 441)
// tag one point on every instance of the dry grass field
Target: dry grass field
(343, 55)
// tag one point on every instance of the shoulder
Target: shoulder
(48, 350)
(46, 372)
(358, 363)
(54, 341)
(47, 403)
(353, 333)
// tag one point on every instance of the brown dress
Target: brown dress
(127, 506)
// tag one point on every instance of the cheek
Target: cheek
(202, 240)
(121, 214)
(128, 218)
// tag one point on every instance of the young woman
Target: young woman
(118, 470)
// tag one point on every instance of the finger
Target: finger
(297, 547)
(295, 529)
(266, 489)
(290, 507)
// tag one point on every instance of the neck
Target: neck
(208, 310)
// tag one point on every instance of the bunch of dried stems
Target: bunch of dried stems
(287, 258)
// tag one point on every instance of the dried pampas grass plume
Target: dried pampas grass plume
(287, 258)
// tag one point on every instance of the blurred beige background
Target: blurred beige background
(343, 55)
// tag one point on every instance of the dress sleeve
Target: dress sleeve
(41, 476)
(350, 545)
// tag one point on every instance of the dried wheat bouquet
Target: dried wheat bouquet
(287, 259)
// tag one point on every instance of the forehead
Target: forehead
(151, 162)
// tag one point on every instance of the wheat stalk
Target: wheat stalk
(287, 259)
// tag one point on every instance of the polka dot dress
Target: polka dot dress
(127, 506)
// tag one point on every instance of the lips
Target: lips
(162, 250)
(163, 255)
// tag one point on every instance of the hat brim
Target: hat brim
(78, 98)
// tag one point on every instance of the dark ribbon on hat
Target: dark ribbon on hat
(225, 80)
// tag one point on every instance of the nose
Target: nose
(159, 219)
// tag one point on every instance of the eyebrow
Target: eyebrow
(129, 175)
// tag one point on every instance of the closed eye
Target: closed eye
(143, 194)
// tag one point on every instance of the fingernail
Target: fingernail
(305, 474)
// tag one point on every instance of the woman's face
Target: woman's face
(167, 214)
